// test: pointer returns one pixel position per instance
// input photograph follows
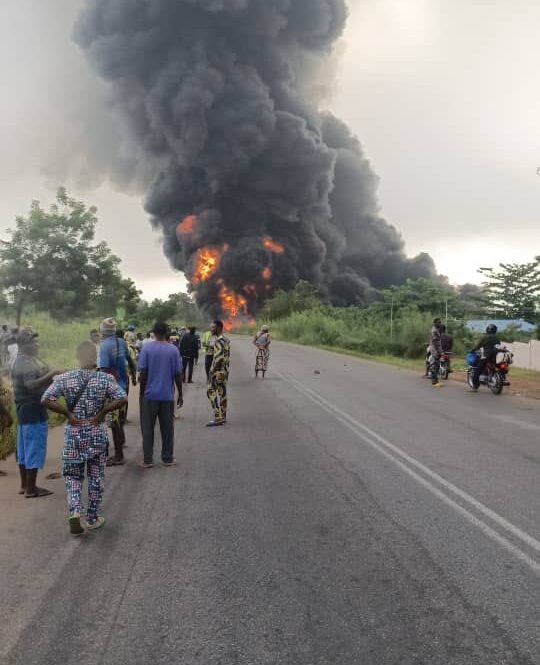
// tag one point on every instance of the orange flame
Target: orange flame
(188, 225)
(273, 246)
(234, 305)
(267, 273)
(208, 259)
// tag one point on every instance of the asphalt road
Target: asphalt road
(347, 514)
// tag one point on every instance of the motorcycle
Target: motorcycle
(495, 372)
(444, 365)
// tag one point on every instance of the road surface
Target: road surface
(348, 513)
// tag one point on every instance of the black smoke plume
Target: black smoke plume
(212, 94)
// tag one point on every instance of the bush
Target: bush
(303, 297)
(411, 335)
(366, 330)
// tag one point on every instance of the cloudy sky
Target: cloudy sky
(443, 95)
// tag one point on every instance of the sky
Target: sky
(443, 96)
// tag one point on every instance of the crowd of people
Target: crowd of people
(93, 399)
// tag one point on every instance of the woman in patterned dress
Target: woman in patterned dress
(262, 343)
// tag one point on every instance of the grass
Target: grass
(58, 341)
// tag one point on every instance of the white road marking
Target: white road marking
(384, 447)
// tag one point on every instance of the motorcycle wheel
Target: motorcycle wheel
(496, 383)
(470, 377)
(443, 373)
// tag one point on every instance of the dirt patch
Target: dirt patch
(521, 386)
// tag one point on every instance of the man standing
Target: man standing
(435, 351)
(114, 358)
(208, 340)
(95, 338)
(4, 336)
(218, 376)
(447, 340)
(30, 377)
(149, 337)
(13, 348)
(131, 335)
(447, 345)
(89, 395)
(160, 369)
(189, 348)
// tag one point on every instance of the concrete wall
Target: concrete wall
(526, 356)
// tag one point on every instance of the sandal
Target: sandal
(115, 462)
(40, 491)
(92, 526)
(215, 423)
(75, 526)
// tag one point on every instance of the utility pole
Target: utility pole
(392, 318)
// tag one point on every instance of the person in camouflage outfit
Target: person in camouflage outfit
(219, 375)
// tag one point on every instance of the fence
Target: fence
(526, 356)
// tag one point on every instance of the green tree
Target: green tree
(49, 259)
(472, 300)
(178, 308)
(120, 294)
(424, 295)
(513, 291)
(303, 297)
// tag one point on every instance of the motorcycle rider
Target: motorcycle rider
(435, 351)
(447, 344)
(488, 343)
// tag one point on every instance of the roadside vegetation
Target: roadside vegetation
(396, 324)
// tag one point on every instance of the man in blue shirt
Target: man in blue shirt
(160, 369)
(30, 378)
(115, 359)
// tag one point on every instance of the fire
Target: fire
(188, 225)
(267, 274)
(273, 246)
(208, 259)
(234, 305)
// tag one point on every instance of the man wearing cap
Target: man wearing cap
(30, 377)
(114, 358)
(131, 335)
